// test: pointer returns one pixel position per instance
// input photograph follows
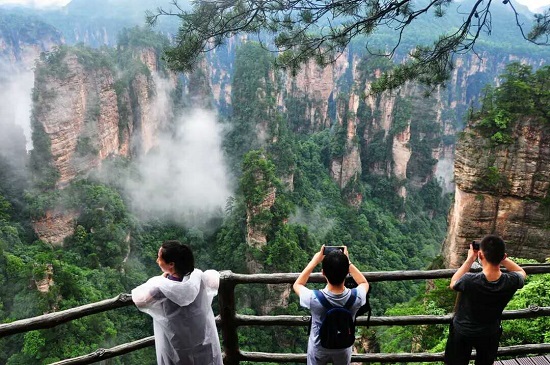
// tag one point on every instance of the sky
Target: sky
(37, 3)
(531, 4)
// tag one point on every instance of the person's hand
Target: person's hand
(472, 254)
(319, 256)
(346, 252)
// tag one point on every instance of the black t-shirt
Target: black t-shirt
(481, 302)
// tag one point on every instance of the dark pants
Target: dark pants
(459, 348)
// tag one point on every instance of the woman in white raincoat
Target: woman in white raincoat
(180, 302)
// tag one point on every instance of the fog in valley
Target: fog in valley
(184, 178)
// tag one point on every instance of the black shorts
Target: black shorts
(459, 348)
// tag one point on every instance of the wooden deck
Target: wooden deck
(536, 360)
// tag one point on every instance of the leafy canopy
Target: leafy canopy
(321, 30)
(522, 93)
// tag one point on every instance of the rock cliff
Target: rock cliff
(337, 97)
(88, 114)
(22, 40)
(502, 190)
(401, 135)
(79, 114)
(407, 137)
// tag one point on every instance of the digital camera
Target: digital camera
(475, 245)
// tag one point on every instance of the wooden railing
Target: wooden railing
(229, 321)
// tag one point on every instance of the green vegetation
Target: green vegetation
(54, 65)
(437, 299)
(493, 180)
(45, 174)
(270, 151)
(252, 101)
(522, 94)
(536, 292)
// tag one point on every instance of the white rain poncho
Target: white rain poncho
(184, 325)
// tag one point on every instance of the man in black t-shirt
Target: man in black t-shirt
(483, 296)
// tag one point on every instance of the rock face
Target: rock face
(87, 117)
(338, 96)
(22, 40)
(411, 138)
(55, 226)
(347, 167)
(505, 192)
(316, 85)
(81, 120)
(44, 285)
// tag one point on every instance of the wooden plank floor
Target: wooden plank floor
(535, 360)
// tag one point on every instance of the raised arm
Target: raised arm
(356, 274)
(358, 277)
(304, 275)
(466, 266)
(511, 266)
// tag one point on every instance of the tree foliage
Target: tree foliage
(321, 30)
(521, 94)
(535, 293)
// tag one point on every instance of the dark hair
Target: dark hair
(335, 267)
(180, 254)
(493, 249)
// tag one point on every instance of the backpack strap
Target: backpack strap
(322, 299)
(365, 308)
(351, 299)
(325, 303)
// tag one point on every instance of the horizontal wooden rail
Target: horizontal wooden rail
(53, 319)
(543, 348)
(288, 320)
(289, 278)
(229, 280)
(102, 354)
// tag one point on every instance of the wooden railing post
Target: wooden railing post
(226, 298)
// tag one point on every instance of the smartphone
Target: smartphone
(475, 245)
(329, 249)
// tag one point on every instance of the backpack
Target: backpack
(338, 327)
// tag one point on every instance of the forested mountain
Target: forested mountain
(252, 166)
